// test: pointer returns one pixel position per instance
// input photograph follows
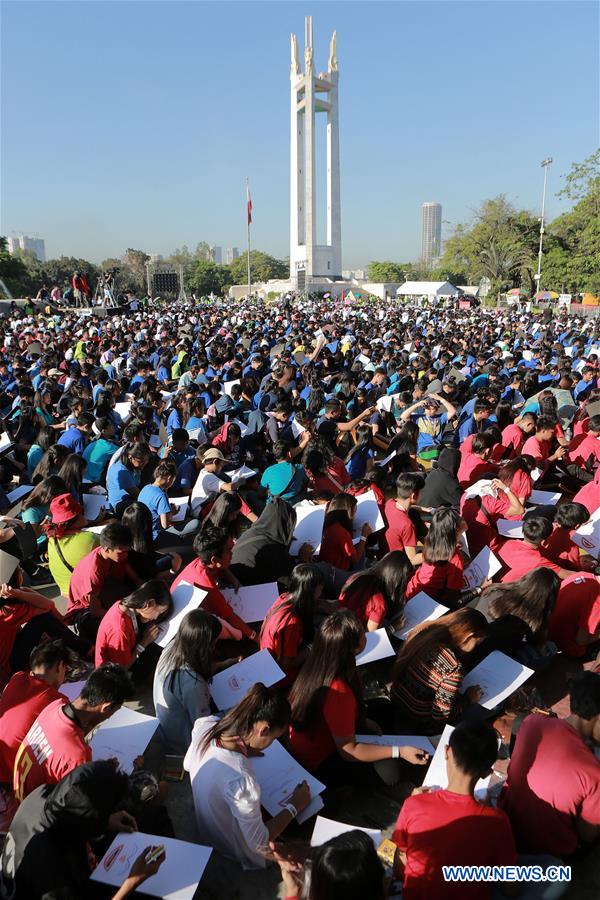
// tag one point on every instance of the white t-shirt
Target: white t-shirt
(207, 483)
(226, 799)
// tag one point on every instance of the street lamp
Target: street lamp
(545, 163)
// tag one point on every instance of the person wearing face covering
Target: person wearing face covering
(47, 854)
(441, 484)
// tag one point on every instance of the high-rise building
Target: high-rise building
(431, 232)
(314, 98)
(216, 254)
(230, 254)
(34, 245)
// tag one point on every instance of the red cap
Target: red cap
(64, 507)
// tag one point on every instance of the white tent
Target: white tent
(427, 289)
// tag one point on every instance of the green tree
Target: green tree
(263, 267)
(386, 271)
(13, 271)
(134, 269)
(60, 271)
(206, 277)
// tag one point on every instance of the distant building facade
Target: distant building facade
(216, 254)
(36, 246)
(431, 232)
(230, 254)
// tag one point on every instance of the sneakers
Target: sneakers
(41, 578)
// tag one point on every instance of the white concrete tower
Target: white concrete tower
(311, 94)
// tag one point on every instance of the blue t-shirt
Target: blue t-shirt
(186, 475)
(157, 502)
(97, 456)
(73, 439)
(119, 482)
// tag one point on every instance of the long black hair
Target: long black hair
(138, 518)
(389, 577)
(192, 646)
(261, 704)
(300, 599)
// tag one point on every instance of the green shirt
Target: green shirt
(74, 547)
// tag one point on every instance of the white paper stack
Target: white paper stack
(241, 474)
(252, 603)
(420, 608)
(309, 526)
(510, 528)
(93, 506)
(367, 512)
(231, 685)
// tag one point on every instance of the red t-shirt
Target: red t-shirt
(336, 719)
(214, 602)
(479, 530)
(88, 577)
(513, 439)
(442, 828)
(23, 699)
(435, 580)
(521, 484)
(553, 779)
(581, 448)
(589, 496)
(282, 633)
(334, 479)
(577, 606)
(540, 450)
(400, 532)
(520, 558)
(561, 549)
(116, 638)
(337, 548)
(367, 604)
(53, 747)
(472, 468)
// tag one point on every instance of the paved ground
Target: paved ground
(362, 805)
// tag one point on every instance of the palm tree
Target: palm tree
(502, 264)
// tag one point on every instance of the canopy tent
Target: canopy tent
(427, 289)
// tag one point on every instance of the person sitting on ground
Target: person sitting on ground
(451, 827)
(515, 435)
(100, 451)
(143, 557)
(99, 579)
(429, 670)
(539, 445)
(67, 542)
(554, 776)
(337, 544)
(441, 482)
(285, 478)
(560, 547)
(55, 744)
(476, 463)
(124, 475)
(521, 556)
(131, 624)
(401, 533)
(225, 789)
(575, 621)
(441, 573)
(380, 591)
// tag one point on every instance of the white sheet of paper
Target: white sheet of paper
(124, 410)
(185, 598)
(194, 434)
(228, 385)
(384, 404)
(278, 774)
(124, 736)
(420, 608)
(485, 565)
(178, 876)
(546, 498)
(8, 564)
(387, 459)
(241, 474)
(5, 441)
(252, 603)
(364, 360)
(367, 511)
(182, 504)
(588, 536)
(297, 428)
(95, 529)
(398, 740)
(510, 528)
(536, 474)
(325, 829)
(231, 685)
(309, 526)
(437, 775)
(72, 689)
(18, 493)
(498, 675)
(93, 504)
(378, 646)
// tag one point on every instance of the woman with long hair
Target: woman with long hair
(143, 558)
(226, 512)
(379, 592)
(182, 678)
(482, 512)
(46, 437)
(429, 670)
(360, 457)
(225, 788)
(516, 475)
(325, 472)
(123, 478)
(130, 625)
(337, 547)
(327, 704)
(36, 506)
(518, 613)
(50, 463)
(71, 472)
(288, 626)
(441, 573)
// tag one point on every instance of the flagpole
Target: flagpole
(248, 217)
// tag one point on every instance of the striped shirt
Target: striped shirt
(428, 690)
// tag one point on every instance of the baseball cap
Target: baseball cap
(213, 453)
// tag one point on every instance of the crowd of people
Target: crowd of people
(183, 444)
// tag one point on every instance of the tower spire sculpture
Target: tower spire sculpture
(311, 95)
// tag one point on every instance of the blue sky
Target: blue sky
(136, 123)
